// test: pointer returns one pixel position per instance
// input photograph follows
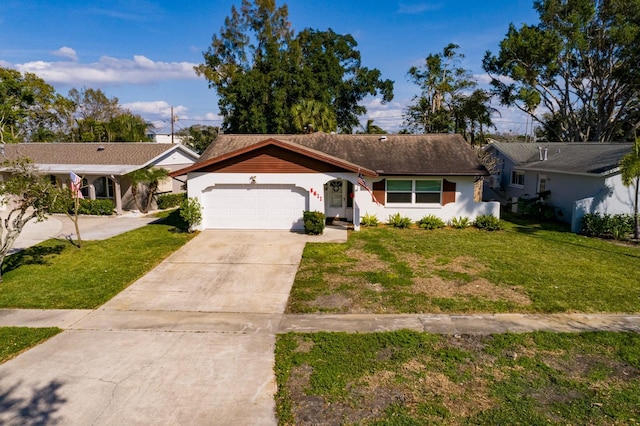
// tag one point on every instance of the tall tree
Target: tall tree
(444, 103)
(630, 169)
(98, 118)
(260, 70)
(198, 137)
(576, 71)
(371, 129)
(29, 194)
(30, 109)
(313, 116)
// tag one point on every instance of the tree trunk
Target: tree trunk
(14, 228)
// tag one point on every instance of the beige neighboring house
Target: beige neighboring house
(103, 166)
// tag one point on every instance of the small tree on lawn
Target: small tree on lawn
(630, 168)
(149, 178)
(29, 195)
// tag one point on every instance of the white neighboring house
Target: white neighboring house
(267, 181)
(581, 177)
(103, 166)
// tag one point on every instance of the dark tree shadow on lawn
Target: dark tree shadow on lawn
(37, 255)
(38, 409)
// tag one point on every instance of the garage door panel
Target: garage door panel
(254, 207)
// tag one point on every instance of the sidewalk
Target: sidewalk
(270, 323)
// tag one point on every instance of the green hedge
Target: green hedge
(166, 201)
(87, 207)
(617, 226)
(313, 222)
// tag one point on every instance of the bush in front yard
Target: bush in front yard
(488, 222)
(431, 221)
(398, 221)
(618, 226)
(459, 222)
(369, 220)
(166, 201)
(313, 222)
(191, 213)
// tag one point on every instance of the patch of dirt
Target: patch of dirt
(481, 288)
(304, 345)
(334, 301)
(581, 365)
(368, 400)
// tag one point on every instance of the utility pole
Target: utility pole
(172, 121)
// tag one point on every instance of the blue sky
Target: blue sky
(143, 52)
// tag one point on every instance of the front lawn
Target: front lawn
(524, 268)
(57, 275)
(410, 378)
(14, 340)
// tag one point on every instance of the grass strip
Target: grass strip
(57, 275)
(15, 340)
(411, 378)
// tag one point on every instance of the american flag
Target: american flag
(363, 184)
(76, 185)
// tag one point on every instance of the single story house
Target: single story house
(579, 177)
(103, 166)
(267, 181)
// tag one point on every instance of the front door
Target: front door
(336, 199)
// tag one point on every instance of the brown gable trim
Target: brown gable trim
(448, 192)
(272, 159)
(290, 146)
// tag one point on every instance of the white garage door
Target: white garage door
(254, 207)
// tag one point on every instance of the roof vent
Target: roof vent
(101, 148)
(383, 138)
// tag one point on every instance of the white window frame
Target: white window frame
(413, 193)
(519, 177)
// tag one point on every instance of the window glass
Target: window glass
(427, 186)
(399, 185)
(428, 197)
(398, 197)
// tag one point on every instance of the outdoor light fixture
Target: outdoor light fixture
(252, 179)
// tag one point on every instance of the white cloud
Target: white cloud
(109, 70)
(387, 116)
(156, 109)
(66, 52)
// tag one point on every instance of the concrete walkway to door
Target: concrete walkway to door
(191, 342)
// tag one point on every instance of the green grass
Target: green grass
(14, 340)
(57, 275)
(524, 268)
(408, 378)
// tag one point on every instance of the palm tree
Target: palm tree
(371, 129)
(150, 178)
(311, 116)
(630, 169)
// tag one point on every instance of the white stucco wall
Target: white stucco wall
(200, 182)
(612, 197)
(463, 206)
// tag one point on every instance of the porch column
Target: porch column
(117, 194)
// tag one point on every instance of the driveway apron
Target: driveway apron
(191, 342)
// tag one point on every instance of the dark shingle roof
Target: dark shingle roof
(433, 154)
(570, 157)
(123, 153)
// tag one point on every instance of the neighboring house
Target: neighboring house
(580, 177)
(267, 181)
(103, 166)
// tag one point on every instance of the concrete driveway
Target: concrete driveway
(91, 228)
(191, 342)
